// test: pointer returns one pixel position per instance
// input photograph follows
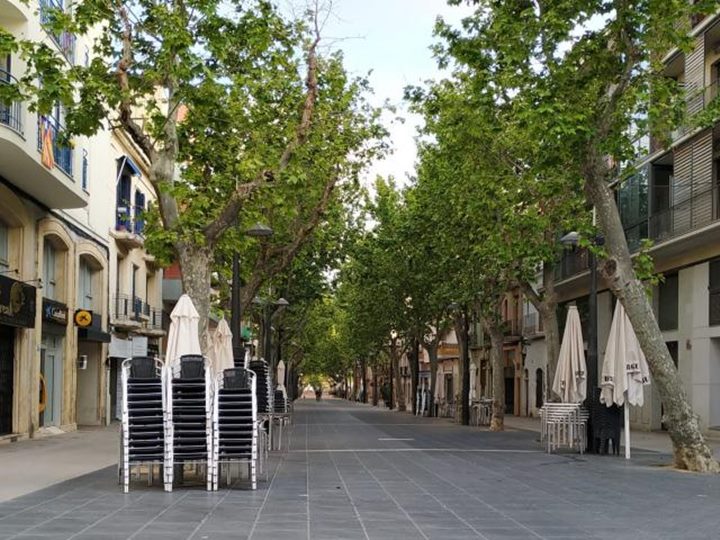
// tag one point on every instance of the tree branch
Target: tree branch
(243, 192)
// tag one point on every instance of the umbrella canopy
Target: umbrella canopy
(473, 380)
(625, 370)
(221, 350)
(571, 376)
(183, 333)
(281, 374)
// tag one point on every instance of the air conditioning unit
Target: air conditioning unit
(82, 361)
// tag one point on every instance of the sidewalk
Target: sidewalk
(655, 441)
(33, 464)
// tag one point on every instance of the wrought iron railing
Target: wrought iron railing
(11, 113)
(127, 307)
(62, 153)
(64, 40)
(531, 324)
(155, 321)
(572, 262)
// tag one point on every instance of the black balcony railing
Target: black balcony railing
(10, 114)
(155, 321)
(124, 221)
(62, 154)
(129, 308)
(572, 262)
(696, 208)
(64, 40)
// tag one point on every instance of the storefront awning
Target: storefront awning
(126, 165)
(91, 334)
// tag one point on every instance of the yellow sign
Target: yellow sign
(83, 318)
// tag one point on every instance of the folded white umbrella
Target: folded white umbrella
(281, 374)
(625, 371)
(221, 348)
(570, 382)
(473, 380)
(183, 335)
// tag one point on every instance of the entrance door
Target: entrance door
(7, 357)
(51, 363)
(509, 394)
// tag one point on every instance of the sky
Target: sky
(391, 39)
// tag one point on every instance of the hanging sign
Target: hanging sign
(55, 312)
(17, 303)
(83, 318)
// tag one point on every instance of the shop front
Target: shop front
(91, 374)
(52, 361)
(17, 314)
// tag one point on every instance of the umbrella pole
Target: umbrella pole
(626, 409)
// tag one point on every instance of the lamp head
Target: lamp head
(570, 239)
(259, 230)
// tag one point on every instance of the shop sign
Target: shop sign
(17, 303)
(83, 318)
(55, 312)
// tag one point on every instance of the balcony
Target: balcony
(511, 329)
(11, 114)
(695, 210)
(129, 312)
(532, 325)
(65, 41)
(128, 232)
(154, 323)
(572, 262)
(62, 153)
(20, 158)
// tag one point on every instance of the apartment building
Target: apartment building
(674, 201)
(58, 261)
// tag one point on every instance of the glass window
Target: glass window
(668, 303)
(85, 289)
(714, 290)
(49, 269)
(4, 248)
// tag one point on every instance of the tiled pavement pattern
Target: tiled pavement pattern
(353, 472)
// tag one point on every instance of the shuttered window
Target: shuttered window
(668, 303)
(714, 290)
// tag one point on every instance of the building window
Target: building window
(85, 170)
(123, 203)
(668, 303)
(139, 211)
(714, 290)
(49, 271)
(632, 201)
(85, 288)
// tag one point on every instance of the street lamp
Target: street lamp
(256, 231)
(573, 239)
(267, 322)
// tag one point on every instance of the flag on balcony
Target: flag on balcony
(46, 136)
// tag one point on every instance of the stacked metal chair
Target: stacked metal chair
(145, 421)
(264, 386)
(190, 414)
(280, 405)
(235, 425)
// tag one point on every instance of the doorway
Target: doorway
(7, 375)
(509, 390)
(51, 368)
(539, 388)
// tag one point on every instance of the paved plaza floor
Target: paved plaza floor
(351, 471)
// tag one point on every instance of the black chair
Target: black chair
(606, 426)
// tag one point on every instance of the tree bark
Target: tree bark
(497, 421)
(461, 331)
(432, 350)
(415, 371)
(690, 450)
(376, 390)
(196, 262)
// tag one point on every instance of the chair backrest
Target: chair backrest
(143, 367)
(192, 366)
(237, 378)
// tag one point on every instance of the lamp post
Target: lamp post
(256, 231)
(267, 334)
(573, 239)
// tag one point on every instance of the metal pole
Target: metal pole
(236, 308)
(268, 337)
(592, 376)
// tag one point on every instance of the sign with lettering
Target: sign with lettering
(17, 303)
(55, 312)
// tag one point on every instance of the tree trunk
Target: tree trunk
(415, 372)
(399, 387)
(376, 390)
(432, 350)
(363, 366)
(497, 421)
(461, 331)
(690, 450)
(195, 264)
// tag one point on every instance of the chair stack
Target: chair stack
(191, 414)
(264, 386)
(144, 419)
(235, 425)
(280, 403)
